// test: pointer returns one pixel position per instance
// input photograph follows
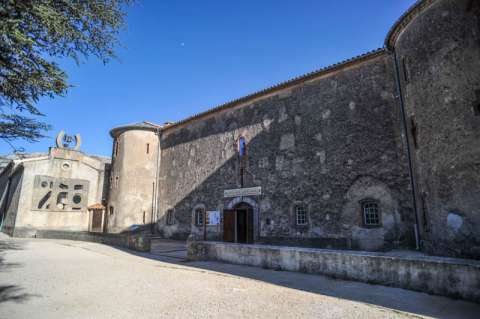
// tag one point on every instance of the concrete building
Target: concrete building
(377, 152)
(53, 191)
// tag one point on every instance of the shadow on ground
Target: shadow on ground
(12, 293)
(384, 297)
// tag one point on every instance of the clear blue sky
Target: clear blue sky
(183, 57)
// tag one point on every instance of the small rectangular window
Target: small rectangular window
(111, 210)
(424, 211)
(476, 106)
(476, 110)
(300, 215)
(469, 5)
(116, 148)
(414, 131)
(371, 215)
(170, 217)
(148, 148)
(406, 77)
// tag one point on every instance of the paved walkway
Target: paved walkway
(67, 279)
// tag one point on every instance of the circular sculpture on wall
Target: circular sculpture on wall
(68, 141)
(77, 198)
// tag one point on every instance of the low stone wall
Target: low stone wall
(139, 242)
(458, 278)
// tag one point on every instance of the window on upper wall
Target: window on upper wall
(476, 109)
(300, 215)
(170, 218)
(242, 147)
(370, 213)
(242, 154)
(111, 210)
(414, 131)
(148, 148)
(476, 105)
(406, 76)
(116, 147)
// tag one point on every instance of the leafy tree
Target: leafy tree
(33, 33)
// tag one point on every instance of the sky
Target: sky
(180, 57)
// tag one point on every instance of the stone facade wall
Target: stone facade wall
(329, 140)
(439, 53)
(326, 143)
(132, 180)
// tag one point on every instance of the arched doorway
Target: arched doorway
(238, 224)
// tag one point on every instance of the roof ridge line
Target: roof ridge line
(282, 85)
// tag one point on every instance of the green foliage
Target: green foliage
(35, 32)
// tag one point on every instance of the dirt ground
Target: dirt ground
(67, 279)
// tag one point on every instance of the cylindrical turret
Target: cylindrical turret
(437, 45)
(133, 176)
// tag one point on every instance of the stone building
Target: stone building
(377, 152)
(61, 190)
(132, 198)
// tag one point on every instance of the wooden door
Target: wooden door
(229, 225)
(250, 227)
(97, 217)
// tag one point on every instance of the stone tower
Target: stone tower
(133, 185)
(437, 49)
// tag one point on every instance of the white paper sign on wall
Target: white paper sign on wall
(250, 191)
(213, 217)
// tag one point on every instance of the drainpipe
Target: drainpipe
(409, 154)
(156, 188)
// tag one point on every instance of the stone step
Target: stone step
(168, 248)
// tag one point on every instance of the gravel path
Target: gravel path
(67, 279)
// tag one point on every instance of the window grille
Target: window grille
(300, 215)
(371, 214)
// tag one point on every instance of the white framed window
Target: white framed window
(371, 213)
(300, 215)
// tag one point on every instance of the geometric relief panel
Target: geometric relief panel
(59, 194)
